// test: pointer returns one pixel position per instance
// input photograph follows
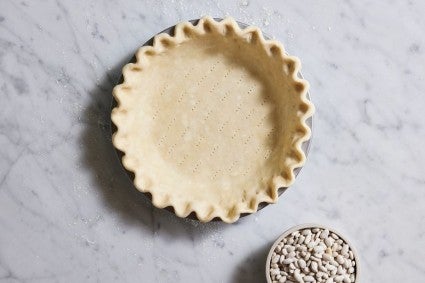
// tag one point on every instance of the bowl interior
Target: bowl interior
(307, 226)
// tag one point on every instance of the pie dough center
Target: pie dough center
(213, 117)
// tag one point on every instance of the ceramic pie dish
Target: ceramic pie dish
(211, 120)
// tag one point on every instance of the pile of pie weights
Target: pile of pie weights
(312, 255)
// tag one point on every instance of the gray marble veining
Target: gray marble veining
(68, 212)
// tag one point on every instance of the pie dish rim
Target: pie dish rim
(307, 123)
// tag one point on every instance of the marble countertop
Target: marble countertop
(68, 213)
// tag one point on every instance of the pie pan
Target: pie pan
(204, 123)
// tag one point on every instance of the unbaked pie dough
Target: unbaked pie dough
(211, 120)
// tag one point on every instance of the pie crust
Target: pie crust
(211, 120)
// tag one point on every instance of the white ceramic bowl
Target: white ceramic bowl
(311, 226)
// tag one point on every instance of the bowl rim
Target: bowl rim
(312, 226)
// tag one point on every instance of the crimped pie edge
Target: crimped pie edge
(183, 32)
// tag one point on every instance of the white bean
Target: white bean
(340, 259)
(334, 263)
(329, 241)
(297, 276)
(327, 257)
(302, 248)
(290, 255)
(344, 250)
(311, 244)
(322, 268)
(307, 239)
(347, 263)
(295, 233)
(275, 258)
(301, 239)
(309, 278)
(324, 234)
(318, 249)
(290, 248)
